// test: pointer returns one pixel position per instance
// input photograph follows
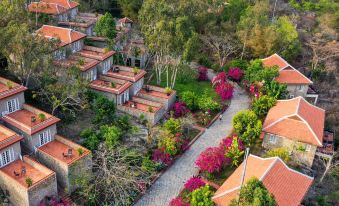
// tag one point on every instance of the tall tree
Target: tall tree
(130, 8)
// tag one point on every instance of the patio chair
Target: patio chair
(16, 174)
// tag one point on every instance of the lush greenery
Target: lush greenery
(254, 193)
(105, 26)
(247, 125)
(279, 152)
(261, 105)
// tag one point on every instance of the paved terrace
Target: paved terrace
(172, 181)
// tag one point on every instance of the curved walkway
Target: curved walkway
(171, 182)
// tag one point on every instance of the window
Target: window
(13, 105)
(137, 62)
(300, 87)
(106, 65)
(91, 75)
(76, 46)
(273, 139)
(45, 137)
(6, 157)
(308, 148)
(291, 96)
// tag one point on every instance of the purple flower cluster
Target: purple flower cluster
(235, 73)
(180, 109)
(202, 74)
(194, 183)
(159, 155)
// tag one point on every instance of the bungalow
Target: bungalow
(288, 186)
(70, 41)
(61, 10)
(24, 181)
(83, 22)
(158, 94)
(11, 96)
(135, 76)
(296, 125)
(135, 53)
(297, 83)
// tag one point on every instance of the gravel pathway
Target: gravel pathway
(171, 182)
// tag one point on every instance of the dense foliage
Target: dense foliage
(247, 125)
(261, 105)
(105, 26)
(201, 196)
(194, 183)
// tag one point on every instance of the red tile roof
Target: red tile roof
(22, 119)
(34, 170)
(95, 53)
(65, 35)
(9, 88)
(286, 185)
(8, 137)
(61, 145)
(46, 8)
(296, 119)
(104, 83)
(126, 73)
(287, 73)
(65, 3)
(75, 59)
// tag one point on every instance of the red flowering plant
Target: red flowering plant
(180, 109)
(235, 74)
(202, 73)
(53, 201)
(225, 90)
(211, 160)
(219, 79)
(233, 148)
(178, 201)
(159, 155)
(194, 183)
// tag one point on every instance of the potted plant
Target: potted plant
(9, 84)
(150, 109)
(80, 151)
(168, 91)
(29, 181)
(42, 117)
(113, 84)
(33, 119)
(81, 62)
(135, 70)
(106, 50)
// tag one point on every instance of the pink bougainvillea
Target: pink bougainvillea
(225, 90)
(180, 109)
(53, 201)
(226, 143)
(219, 79)
(235, 73)
(211, 160)
(194, 183)
(202, 74)
(159, 155)
(178, 201)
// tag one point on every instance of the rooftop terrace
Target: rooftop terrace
(126, 73)
(109, 84)
(64, 150)
(95, 53)
(9, 88)
(8, 137)
(30, 120)
(33, 170)
(143, 105)
(76, 60)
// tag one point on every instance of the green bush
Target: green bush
(275, 90)
(206, 102)
(104, 110)
(169, 144)
(191, 100)
(279, 152)
(216, 67)
(204, 60)
(148, 165)
(201, 197)
(124, 123)
(236, 63)
(247, 125)
(257, 72)
(262, 105)
(91, 139)
(173, 125)
(111, 135)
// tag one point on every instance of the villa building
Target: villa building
(297, 125)
(288, 186)
(297, 83)
(24, 181)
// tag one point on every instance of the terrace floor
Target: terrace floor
(140, 106)
(155, 93)
(169, 185)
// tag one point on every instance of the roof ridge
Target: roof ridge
(308, 125)
(292, 170)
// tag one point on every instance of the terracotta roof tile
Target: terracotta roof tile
(95, 53)
(286, 185)
(74, 60)
(125, 20)
(65, 3)
(9, 88)
(296, 119)
(8, 137)
(46, 8)
(65, 35)
(287, 73)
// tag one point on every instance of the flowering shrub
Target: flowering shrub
(202, 74)
(180, 109)
(226, 143)
(173, 125)
(194, 183)
(235, 73)
(211, 160)
(178, 201)
(219, 78)
(225, 90)
(53, 201)
(159, 155)
(169, 144)
(235, 150)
